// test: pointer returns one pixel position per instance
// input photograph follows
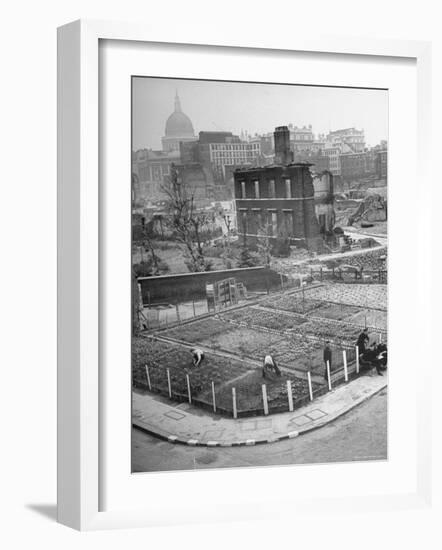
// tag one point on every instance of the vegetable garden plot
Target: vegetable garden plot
(371, 318)
(263, 318)
(327, 329)
(320, 328)
(364, 296)
(245, 342)
(295, 304)
(199, 330)
(291, 351)
(160, 356)
(249, 392)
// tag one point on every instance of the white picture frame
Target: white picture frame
(79, 293)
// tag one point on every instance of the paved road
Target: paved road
(359, 435)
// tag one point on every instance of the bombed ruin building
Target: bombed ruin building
(280, 198)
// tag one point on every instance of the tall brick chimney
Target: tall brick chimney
(283, 155)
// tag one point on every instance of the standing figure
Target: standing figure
(327, 358)
(362, 341)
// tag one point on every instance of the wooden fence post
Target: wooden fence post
(344, 355)
(193, 303)
(380, 337)
(213, 397)
(290, 395)
(282, 281)
(329, 376)
(264, 399)
(148, 378)
(310, 389)
(177, 313)
(357, 359)
(189, 394)
(320, 273)
(235, 412)
(168, 383)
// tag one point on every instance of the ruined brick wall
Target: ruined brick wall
(284, 194)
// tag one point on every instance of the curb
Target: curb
(250, 442)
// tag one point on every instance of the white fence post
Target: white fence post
(329, 376)
(344, 355)
(168, 383)
(290, 395)
(357, 359)
(213, 397)
(264, 399)
(235, 412)
(310, 390)
(380, 337)
(148, 378)
(189, 394)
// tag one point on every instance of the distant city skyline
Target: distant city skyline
(254, 108)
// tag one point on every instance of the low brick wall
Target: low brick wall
(192, 286)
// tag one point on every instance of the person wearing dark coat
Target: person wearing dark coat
(362, 341)
(373, 357)
(327, 358)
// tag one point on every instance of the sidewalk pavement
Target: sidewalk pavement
(189, 425)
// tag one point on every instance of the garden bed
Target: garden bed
(359, 295)
(160, 356)
(268, 319)
(198, 331)
(292, 351)
(249, 392)
(295, 304)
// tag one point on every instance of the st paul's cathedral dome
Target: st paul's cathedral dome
(179, 127)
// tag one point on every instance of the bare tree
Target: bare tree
(187, 222)
(264, 244)
(149, 247)
(226, 220)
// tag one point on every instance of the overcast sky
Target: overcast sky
(233, 106)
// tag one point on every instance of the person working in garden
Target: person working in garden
(270, 364)
(198, 356)
(373, 357)
(327, 359)
(362, 341)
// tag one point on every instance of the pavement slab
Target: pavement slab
(189, 425)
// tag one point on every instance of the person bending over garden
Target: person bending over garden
(270, 364)
(198, 356)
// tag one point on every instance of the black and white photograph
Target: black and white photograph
(221, 300)
(259, 274)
